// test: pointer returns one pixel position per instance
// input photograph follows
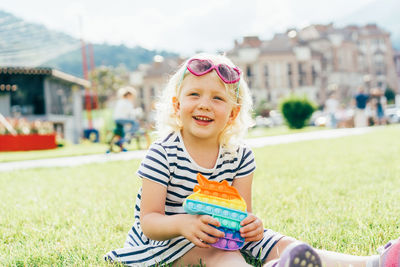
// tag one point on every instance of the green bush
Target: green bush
(390, 95)
(297, 111)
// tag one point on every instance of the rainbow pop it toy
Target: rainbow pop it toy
(223, 202)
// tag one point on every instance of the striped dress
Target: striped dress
(168, 163)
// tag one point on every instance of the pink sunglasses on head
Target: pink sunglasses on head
(200, 67)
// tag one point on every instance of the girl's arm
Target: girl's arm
(243, 185)
(252, 227)
(158, 226)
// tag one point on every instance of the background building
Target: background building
(313, 61)
(44, 94)
(317, 59)
(150, 79)
(397, 66)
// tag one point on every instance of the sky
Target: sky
(178, 26)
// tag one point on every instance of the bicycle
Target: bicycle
(122, 137)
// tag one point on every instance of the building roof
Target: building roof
(163, 67)
(70, 78)
(281, 43)
(25, 70)
(46, 72)
(250, 41)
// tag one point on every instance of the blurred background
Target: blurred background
(62, 62)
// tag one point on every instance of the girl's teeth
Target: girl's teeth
(202, 119)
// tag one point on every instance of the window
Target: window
(266, 76)
(314, 74)
(29, 98)
(248, 71)
(141, 92)
(302, 75)
(249, 74)
(379, 64)
(289, 75)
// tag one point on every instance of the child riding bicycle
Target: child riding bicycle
(125, 116)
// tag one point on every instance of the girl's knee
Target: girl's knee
(227, 258)
(222, 254)
(211, 257)
(278, 249)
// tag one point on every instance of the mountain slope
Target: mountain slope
(108, 55)
(30, 44)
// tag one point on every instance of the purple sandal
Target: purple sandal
(390, 254)
(298, 254)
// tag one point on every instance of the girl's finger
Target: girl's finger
(213, 231)
(254, 238)
(206, 219)
(207, 238)
(255, 232)
(251, 226)
(248, 220)
(199, 243)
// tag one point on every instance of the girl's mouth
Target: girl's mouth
(202, 119)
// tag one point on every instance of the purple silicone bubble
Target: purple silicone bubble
(221, 243)
(232, 245)
(237, 236)
(228, 244)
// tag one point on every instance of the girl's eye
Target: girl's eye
(219, 98)
(194, 94)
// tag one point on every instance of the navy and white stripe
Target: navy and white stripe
(168, 163)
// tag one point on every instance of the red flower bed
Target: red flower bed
(10, 142)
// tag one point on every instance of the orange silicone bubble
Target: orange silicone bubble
(216, 189)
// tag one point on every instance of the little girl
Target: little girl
(203, 116)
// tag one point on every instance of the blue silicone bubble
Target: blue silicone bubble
(228, 218)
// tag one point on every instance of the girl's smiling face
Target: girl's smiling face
(204, 107)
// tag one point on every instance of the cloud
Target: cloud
(175, 25)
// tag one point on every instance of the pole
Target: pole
(88, 105)
(92, 70)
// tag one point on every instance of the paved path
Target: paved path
(99, 158)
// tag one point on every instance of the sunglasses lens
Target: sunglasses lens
(228, 73)
(200, 66)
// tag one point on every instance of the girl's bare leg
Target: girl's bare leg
(211, 257)
(328, 258)
(335, 259)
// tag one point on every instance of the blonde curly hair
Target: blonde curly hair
(233, 133)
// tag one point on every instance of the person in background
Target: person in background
(360, 115)
(124, 112)
(331, 108)
(378, 106)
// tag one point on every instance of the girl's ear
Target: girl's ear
(175, 103)
(234, 113)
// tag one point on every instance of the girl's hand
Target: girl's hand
(252, 228)
(197, 229)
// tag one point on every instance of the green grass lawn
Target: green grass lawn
(88, 148)
(66, 151)
(85, 148)
(280, 130)
(339, 194)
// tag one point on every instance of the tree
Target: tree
(108, 80)
(297, 111)
(390, 95)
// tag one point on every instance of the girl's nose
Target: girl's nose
(204, 104)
